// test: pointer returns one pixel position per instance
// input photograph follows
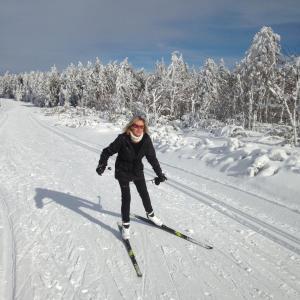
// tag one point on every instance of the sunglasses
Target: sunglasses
(136, 126)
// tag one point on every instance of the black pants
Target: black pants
(125, 191)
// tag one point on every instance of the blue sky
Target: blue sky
(36, 34)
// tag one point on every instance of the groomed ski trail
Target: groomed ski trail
(68, 247)
(275, 234)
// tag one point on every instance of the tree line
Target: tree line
(262, 88)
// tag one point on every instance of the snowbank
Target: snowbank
(75, 117)
(231, 149)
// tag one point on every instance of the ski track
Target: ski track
(51, 253)
(23, 228)
(61, 259)
(3, 120)
(239, 216)
(227, 185)
(7, 278)
(261, 227)
(41, 248)
(93, 148)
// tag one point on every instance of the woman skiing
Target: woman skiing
(132, 145)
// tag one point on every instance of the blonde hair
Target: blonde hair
(133, 120)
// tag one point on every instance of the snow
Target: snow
(58, 222)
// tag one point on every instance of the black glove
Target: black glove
(160, 178)
(101, 168)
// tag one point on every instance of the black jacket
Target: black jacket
(128, 164)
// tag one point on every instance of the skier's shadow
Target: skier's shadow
(75, 203)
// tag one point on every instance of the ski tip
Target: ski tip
(208, 247)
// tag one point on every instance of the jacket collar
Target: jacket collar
(128, 140)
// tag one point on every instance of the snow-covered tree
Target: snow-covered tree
(174, 82)
(75, 84)
(19, 92)
(156, 93)
(264, 87)
(53, 87)
(128, 86)
(209, 89)
(257, 72)
(287, 92)
(152, 98)
(224, 106)
(7, 85)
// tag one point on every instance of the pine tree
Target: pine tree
(53, 86)
(128, 87)
(257, 72)
(209, 89)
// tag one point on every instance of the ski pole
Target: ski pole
(152, 180)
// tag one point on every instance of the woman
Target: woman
(132, 145)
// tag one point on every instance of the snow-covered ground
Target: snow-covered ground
(58, 222)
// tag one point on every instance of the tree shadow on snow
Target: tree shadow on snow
(76, 204)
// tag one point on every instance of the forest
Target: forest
(261, 91)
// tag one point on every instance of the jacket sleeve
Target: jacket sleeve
(113, 148)
(151, 157)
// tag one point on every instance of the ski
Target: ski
(174, 232)
(131, 254)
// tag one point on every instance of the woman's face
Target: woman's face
(137, 127)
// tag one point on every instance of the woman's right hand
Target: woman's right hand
(160, 178)
(101, 168)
